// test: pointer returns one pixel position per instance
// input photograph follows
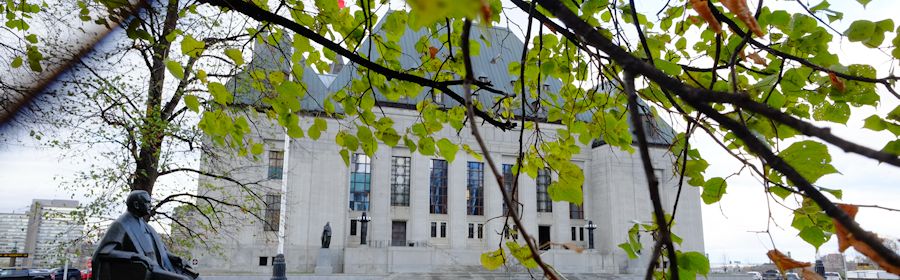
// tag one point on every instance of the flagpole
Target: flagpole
(279, 266)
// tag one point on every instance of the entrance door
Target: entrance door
(544, 237)
(398, 233)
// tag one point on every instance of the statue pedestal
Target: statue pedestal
(323, 262)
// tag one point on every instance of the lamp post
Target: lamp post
(364, 220)
(590, 227)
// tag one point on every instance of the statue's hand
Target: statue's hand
(177, 261)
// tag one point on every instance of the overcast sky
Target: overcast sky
(28, 172)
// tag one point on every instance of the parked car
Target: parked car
(832, 276)
(772, 275)
(755, 275)
(22, 274)
(791, 276)
(73, 274)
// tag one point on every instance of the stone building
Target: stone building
(427, 214)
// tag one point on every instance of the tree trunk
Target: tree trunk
(154, 123)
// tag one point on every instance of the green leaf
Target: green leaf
(860, 30)
(409, 144)
(426, 146)
(31, 38)
(896, 42)
(345, 155)
(667, 67)
(493, 260)
(390, 137)
(628, 250)
(192, 47)
(192, 102)
(175, 69)
(814, 236)
(869, 33)
(448, 149)
(838, 113)
(257, 148)
(315, 130)
(874, 122)
(219, 93)
(780, 192)
(864, 2)
(892, 147)
(16, 62)
(713, 190)
(235, 55)
(560, 192)
(522, 254)
(693, 261)
(809, 158)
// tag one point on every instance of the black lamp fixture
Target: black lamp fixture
(364, 220)
(590, 226)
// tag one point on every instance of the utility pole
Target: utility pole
(279, 266)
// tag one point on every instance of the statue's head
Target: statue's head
(138, 203)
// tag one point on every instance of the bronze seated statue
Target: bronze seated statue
(131, 249)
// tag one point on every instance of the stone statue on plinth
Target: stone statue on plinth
(323, 260)
(131, 249)
(326, 236)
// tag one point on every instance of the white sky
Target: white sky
(28, 172)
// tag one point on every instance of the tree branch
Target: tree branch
(631, 64)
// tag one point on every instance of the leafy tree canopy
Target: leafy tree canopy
(761, 80)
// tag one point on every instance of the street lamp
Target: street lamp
(364, 220)
(590, 227)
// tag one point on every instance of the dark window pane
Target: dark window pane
(352, 227)
(438, 199)
(276, 164)
(443, 229)
(360, 182)
(544, 204)
(273, 212)
(471, 230)
(475, 189)
(574, 236)
(576, 211)
(263, 261)
(581, 233)
(480, 231)
(433, 229)
(509, 179)
(400, 181)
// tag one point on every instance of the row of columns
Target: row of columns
(419, 217)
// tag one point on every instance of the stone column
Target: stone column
(380, 196)
(493, 204)
(561, 226)
(528, 198)
(456, 202)
(418, 198)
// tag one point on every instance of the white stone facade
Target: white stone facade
(615, 195)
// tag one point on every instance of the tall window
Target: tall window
(400, 181)
(509, 180)
(360, 182)
(273, 212)
(475, 189)
(438, 186)
(544, 204)
(276, 164)
(576, 211)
